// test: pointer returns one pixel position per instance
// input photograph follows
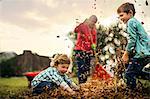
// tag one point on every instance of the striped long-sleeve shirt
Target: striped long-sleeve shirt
(52, 75)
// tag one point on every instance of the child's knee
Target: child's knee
(37, 91)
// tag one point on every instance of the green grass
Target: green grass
(12, 86)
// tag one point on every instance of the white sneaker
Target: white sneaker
(146, 68)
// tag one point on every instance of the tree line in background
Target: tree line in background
(16, 65)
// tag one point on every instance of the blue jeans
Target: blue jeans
(82, 60)
(40, 88)
(134, 69)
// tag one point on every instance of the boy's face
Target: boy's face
(62, 68)
(124, 17)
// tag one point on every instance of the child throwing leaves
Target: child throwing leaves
(84, 46)
(54, 77)
(137, 53)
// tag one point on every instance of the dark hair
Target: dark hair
(126, 7)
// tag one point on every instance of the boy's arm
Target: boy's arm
(56, 78)
(132, 31)
(95, 36)
(65, 86)
(71, 83)
(94, 39)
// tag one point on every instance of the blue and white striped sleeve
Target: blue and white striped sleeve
(68, 80)
(56, 78)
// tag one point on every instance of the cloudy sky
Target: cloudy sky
(35, 24)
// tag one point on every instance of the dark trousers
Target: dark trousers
(82, 60)
(40, 88)
(134, 70)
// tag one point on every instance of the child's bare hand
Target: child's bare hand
(125, 57)
(73, 93)
(76, 88)
(70, 91)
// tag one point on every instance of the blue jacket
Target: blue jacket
(138, 39)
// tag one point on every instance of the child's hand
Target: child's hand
(76, 88)
(125, 57)
(71, 91)
(93, 46)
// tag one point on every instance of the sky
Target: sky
(36, 24)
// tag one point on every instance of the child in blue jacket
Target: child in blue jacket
(137, 53)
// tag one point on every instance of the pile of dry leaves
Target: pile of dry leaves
(94, 89)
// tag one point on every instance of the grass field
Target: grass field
(12, 86)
